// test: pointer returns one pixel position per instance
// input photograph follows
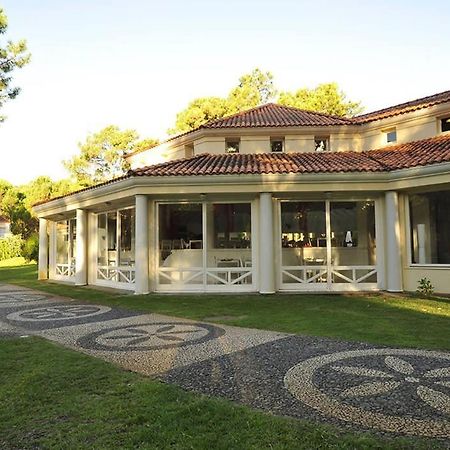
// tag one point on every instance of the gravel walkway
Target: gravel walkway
(352, 385)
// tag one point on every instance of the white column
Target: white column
(266, 245)
(142, 244)
(393, 255)
(81, 254)
(43, 250)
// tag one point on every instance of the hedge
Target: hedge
(10, 247)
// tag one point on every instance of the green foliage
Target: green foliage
(101, 156)
(10, 247)
(255, 88)
(43, 188)
(198, 112)
(326, 98)
(425, 287)
(12, 55)
(30, 248)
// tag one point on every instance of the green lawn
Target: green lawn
(381, 319)
(54, 398)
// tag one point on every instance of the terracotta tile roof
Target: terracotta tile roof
(413, 154)
(403, 108)
(274, 115)
(418, 153)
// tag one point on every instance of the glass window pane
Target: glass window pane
(73, 239)
(62, 242)
(112, 238)
(180, 239)
(229, 257)
(353, 238)
(102, 247)
(303, 234)
(430, 227)
(127, 237)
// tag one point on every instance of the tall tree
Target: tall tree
(101, 156)
(325, 98)
(12, 55)
(253, 89)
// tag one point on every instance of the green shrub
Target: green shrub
(30, 248)
(425, 287)
(10, 246)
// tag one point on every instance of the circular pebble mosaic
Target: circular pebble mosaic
(150, 336)
(395, 390)
(58, 312)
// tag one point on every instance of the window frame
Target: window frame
(230, 143)
(390, 131)
(326, 139)
(277, 139)
(408, 239)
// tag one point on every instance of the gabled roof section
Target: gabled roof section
(404, 108)
(274, 115)
(419, 153)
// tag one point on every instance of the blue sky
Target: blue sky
(137, 63)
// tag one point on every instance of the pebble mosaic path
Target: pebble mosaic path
(352, 385)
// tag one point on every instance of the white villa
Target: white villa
(271, 199)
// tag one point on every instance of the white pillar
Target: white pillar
(393, 255)
(81, 254)
(43, 250)
(142, 243)
(266, 245)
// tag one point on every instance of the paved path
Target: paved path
(353, 385)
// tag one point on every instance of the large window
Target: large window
(328, 243)
(430, 227)
(66, 232)
(205, 246)
(116, 245)
(180, 227)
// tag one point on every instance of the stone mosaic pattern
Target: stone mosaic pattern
(378, 388)
(351, 385)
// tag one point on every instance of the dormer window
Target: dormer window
(321, 143)
(445, 124)
(232, 145)
(391, 135)
(276, 145)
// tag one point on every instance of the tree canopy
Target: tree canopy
(12, 55)
(101, 156)
(257, 88)
(326, 98)
(253, 89)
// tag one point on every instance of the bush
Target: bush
(30, 248)
(10, 246)
(425, 287)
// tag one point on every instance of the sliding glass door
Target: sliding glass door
(328, 246)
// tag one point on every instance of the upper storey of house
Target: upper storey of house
(273, 128)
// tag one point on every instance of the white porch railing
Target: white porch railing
(229, 276)
(352, 274)
(65, 270)
(304, 274)
(117, 274)
(169, 277)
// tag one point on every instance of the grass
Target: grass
(405, 321)
(56, 398)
